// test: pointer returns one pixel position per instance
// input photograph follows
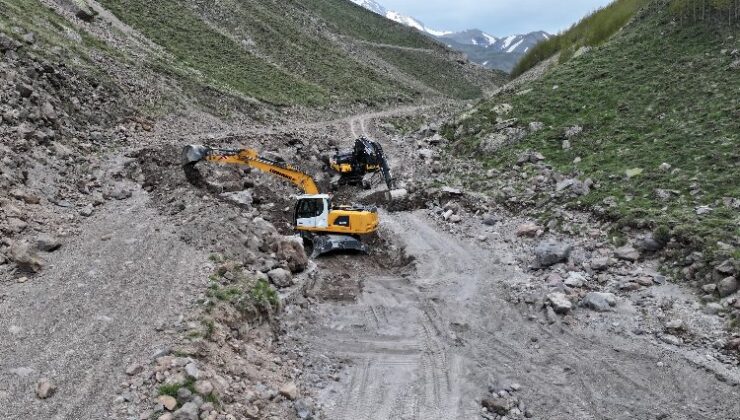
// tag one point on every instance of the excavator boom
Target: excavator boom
(327, 228)
(195, 153)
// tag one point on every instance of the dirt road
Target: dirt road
(428, 344)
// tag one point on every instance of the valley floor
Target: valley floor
(431, 338)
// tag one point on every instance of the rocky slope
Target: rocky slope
(609, 133)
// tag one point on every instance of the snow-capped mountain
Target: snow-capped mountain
(482, 48)
(373, 6)
(513, 44)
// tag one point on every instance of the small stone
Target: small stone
(575, 279)
(29, 38)
(497, 405)
(548, 253)
(727, 286)
(713, 308)
(47, 243)
(189, 411)
(675, 325)
(289, 390)
(168, 402)
(184, 394)
(86, 211)
(280, 277)
(665, 167)
(528, 229)
(203, 387)
(671, 339)
(598, 301)
(191, 369)
(709, 288)
(134, 369)
(560, 302)
(627, 253)
(45, 388)
(455, 218)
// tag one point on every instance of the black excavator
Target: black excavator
(358, 165)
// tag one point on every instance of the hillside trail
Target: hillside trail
(427, 344)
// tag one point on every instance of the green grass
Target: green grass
(439, 74)
(590, 31)
(349, 19)
(215, 56)
(658, 92)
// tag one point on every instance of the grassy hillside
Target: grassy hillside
(659, 92)
(590, 31)
(219, 53)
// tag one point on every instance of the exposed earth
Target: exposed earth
(443, 320)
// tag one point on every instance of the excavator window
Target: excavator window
(310, 207)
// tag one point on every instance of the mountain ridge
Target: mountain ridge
(490, 51)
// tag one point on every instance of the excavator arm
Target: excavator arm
(193, 154)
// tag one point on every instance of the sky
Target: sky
(497, 17)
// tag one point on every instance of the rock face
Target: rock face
(548, 253)
(560, 303)
(727, 286)
(600, 302)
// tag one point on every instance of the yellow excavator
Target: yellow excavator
(328, 228)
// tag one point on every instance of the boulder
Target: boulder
(497, 405)
(290, 249)
(648, 243)
(24, 255)
(203, 387)
(47, 243)
(168, 402)
(727, 286)
(289, 391)
(528, 229)
(280, 277)
(189, 411)
(627, 253)
(575, 279)
(598, 301)
(559, 302)
(573, 131)
(83, 11)
(45, 388)
(548, 253)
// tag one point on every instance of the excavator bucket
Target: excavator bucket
(194, 153)
(323, 244)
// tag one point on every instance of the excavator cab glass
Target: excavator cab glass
(309, 207)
